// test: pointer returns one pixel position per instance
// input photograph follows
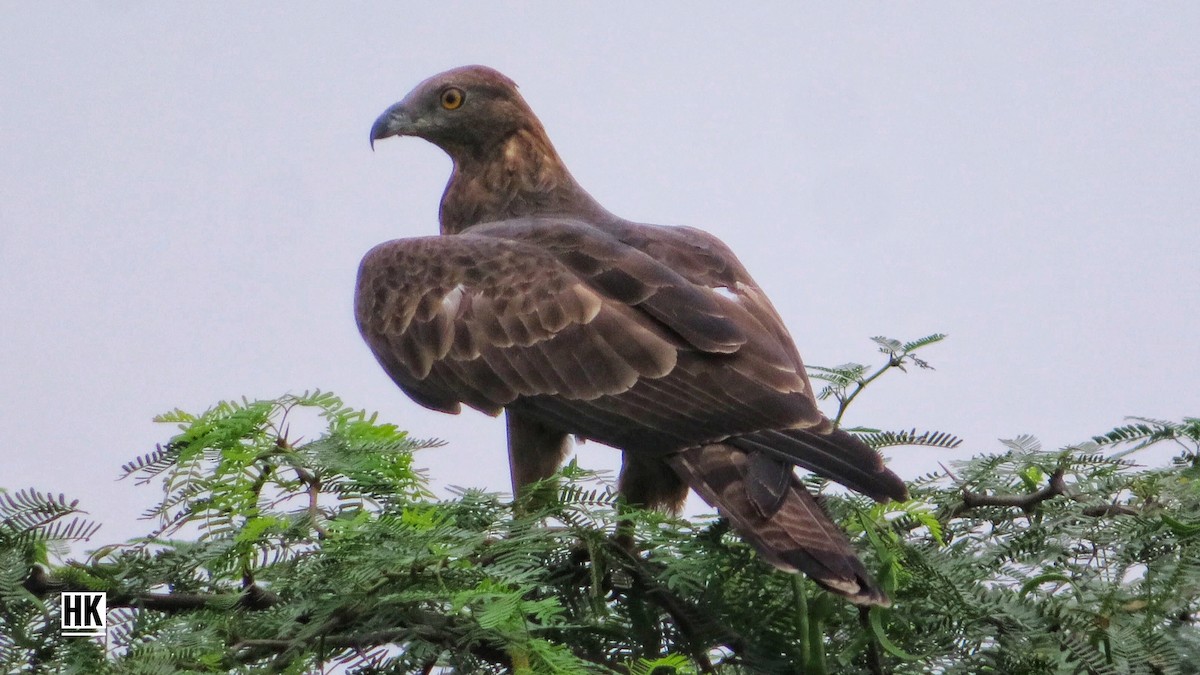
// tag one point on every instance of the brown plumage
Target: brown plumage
(537, 301)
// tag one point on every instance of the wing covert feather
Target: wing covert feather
(629, 275)
(481, 320)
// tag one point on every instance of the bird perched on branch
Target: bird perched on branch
(536, 301)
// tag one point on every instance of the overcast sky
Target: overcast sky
(186, 190)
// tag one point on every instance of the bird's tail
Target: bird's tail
(770, 508)
(830, 452)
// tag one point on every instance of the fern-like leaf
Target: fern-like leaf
(933, 439)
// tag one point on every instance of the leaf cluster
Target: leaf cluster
(269, 553)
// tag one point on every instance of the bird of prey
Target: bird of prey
(536, 301)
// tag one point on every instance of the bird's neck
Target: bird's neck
(522, 175)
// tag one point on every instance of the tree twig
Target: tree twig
(844, 403)
(253, 596)
(1026, 502)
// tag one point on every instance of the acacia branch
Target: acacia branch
(700, 632)
(313, 485)
(844, 403)
(254, 597)
(1026, 502)
(418, 624)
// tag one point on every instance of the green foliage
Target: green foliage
(269, 553)
(845, 382)
(29, 520)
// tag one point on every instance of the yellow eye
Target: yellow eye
(452, 98)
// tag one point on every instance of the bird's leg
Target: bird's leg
(535, 452)
(646, 483)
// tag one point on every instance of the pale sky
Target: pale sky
(186, 190)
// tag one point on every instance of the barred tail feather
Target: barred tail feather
(775, 513)
(837, 455)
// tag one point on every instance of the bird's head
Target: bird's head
(463, 111)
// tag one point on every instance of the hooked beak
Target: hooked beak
(395, 121)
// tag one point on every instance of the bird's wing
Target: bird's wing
(707, 262)
(483, 321)
(631, 276)
(591, 337)
(493, 322)
(681, 287)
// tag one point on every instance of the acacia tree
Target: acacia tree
(274, 554)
